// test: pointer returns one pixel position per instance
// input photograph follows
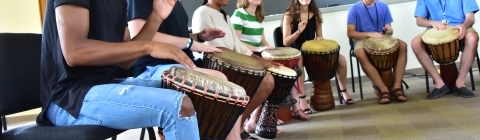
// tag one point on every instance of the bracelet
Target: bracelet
(189, 44)
(199, 39)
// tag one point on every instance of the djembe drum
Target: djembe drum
(383, 54)
(443, 45)
(240, 69)
(284, 80)
(321, 60)
(218, 103)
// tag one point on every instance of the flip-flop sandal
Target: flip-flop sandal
(396, 93)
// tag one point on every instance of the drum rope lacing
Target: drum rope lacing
(170, 79)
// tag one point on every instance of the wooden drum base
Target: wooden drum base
(387, 79)
(322, 97)
(449, 74)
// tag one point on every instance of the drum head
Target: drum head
(282, 70)
(238, 60)
(437, 37)
(325, 45)
(387, 43)
(281, 53)
(206, 81)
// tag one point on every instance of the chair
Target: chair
(20, 86)
(278, 40)
(352, 54)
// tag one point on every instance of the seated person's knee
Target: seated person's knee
(417, 43)
(342, 62)
(187, 109)
(268, 81)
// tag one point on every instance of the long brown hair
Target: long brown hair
(259, 13)
(294, 13)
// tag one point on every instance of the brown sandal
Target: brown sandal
(398, 93)
(385, 95)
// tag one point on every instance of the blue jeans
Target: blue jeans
(132, 103)
(155, 72)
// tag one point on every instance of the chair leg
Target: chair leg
(114, 138)
(3, 123)
(338, 90)
(351, 74)
(427, 82)
(359, 80)
(472, 81)
(151, 133)
(142, 134)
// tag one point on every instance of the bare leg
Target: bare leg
(252, 122)
(263, 92)
(372, 73)
(468, 54)
(234, 133)
(425, 60)
(301, 83)
(342, 77)
(296, 109)
(399, 70)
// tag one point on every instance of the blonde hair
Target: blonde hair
(259, 13)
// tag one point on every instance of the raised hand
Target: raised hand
(163, 8)
(200, 47)
(438, 25)
(209, 34)
(462, 29)
(168, 51)
(302, 25)
(388, 29)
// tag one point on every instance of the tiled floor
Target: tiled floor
(450, 117)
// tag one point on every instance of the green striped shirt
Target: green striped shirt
(252, 30)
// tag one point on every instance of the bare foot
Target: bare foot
(279, 122)
(250, 126)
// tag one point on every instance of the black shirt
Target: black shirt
(176, 24)
(67, 86)
(307, 34)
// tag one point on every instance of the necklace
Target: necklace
(376, 14)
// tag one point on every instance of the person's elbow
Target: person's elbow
(74, 57)
(286, 43)
(350, 34)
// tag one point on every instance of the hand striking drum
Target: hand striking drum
(218, 103)
(321, 60)
(443, 46)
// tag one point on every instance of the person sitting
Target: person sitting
(460, 15)
(83, 44)
(210, 15)
(367, 19)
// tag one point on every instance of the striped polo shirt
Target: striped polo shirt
(252, 30)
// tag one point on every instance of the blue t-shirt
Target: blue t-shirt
(369, 19)
(455, 10)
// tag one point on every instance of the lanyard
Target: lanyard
(376, 14)
(443, 5)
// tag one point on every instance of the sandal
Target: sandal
(308, 110)
(348, 101)
(397, 93)
(384, 95)
(160, 133)
(245, 136)
(296, 116)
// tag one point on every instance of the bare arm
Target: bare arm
(319, 30)
(469, 20)
(352, 33)
(264, 41)
(288, 36)
(423, 22)
(75, 45)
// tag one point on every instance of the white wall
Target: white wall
(335, 28)
(20, 16)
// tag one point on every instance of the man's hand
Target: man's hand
(168, 51)
(163, 8)
(200, 47)
(209, 34)
(462, 29)
(375, 35)
(388, 29)
(269, 64)
(319, 38)
(261, 49)
(438, 25)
